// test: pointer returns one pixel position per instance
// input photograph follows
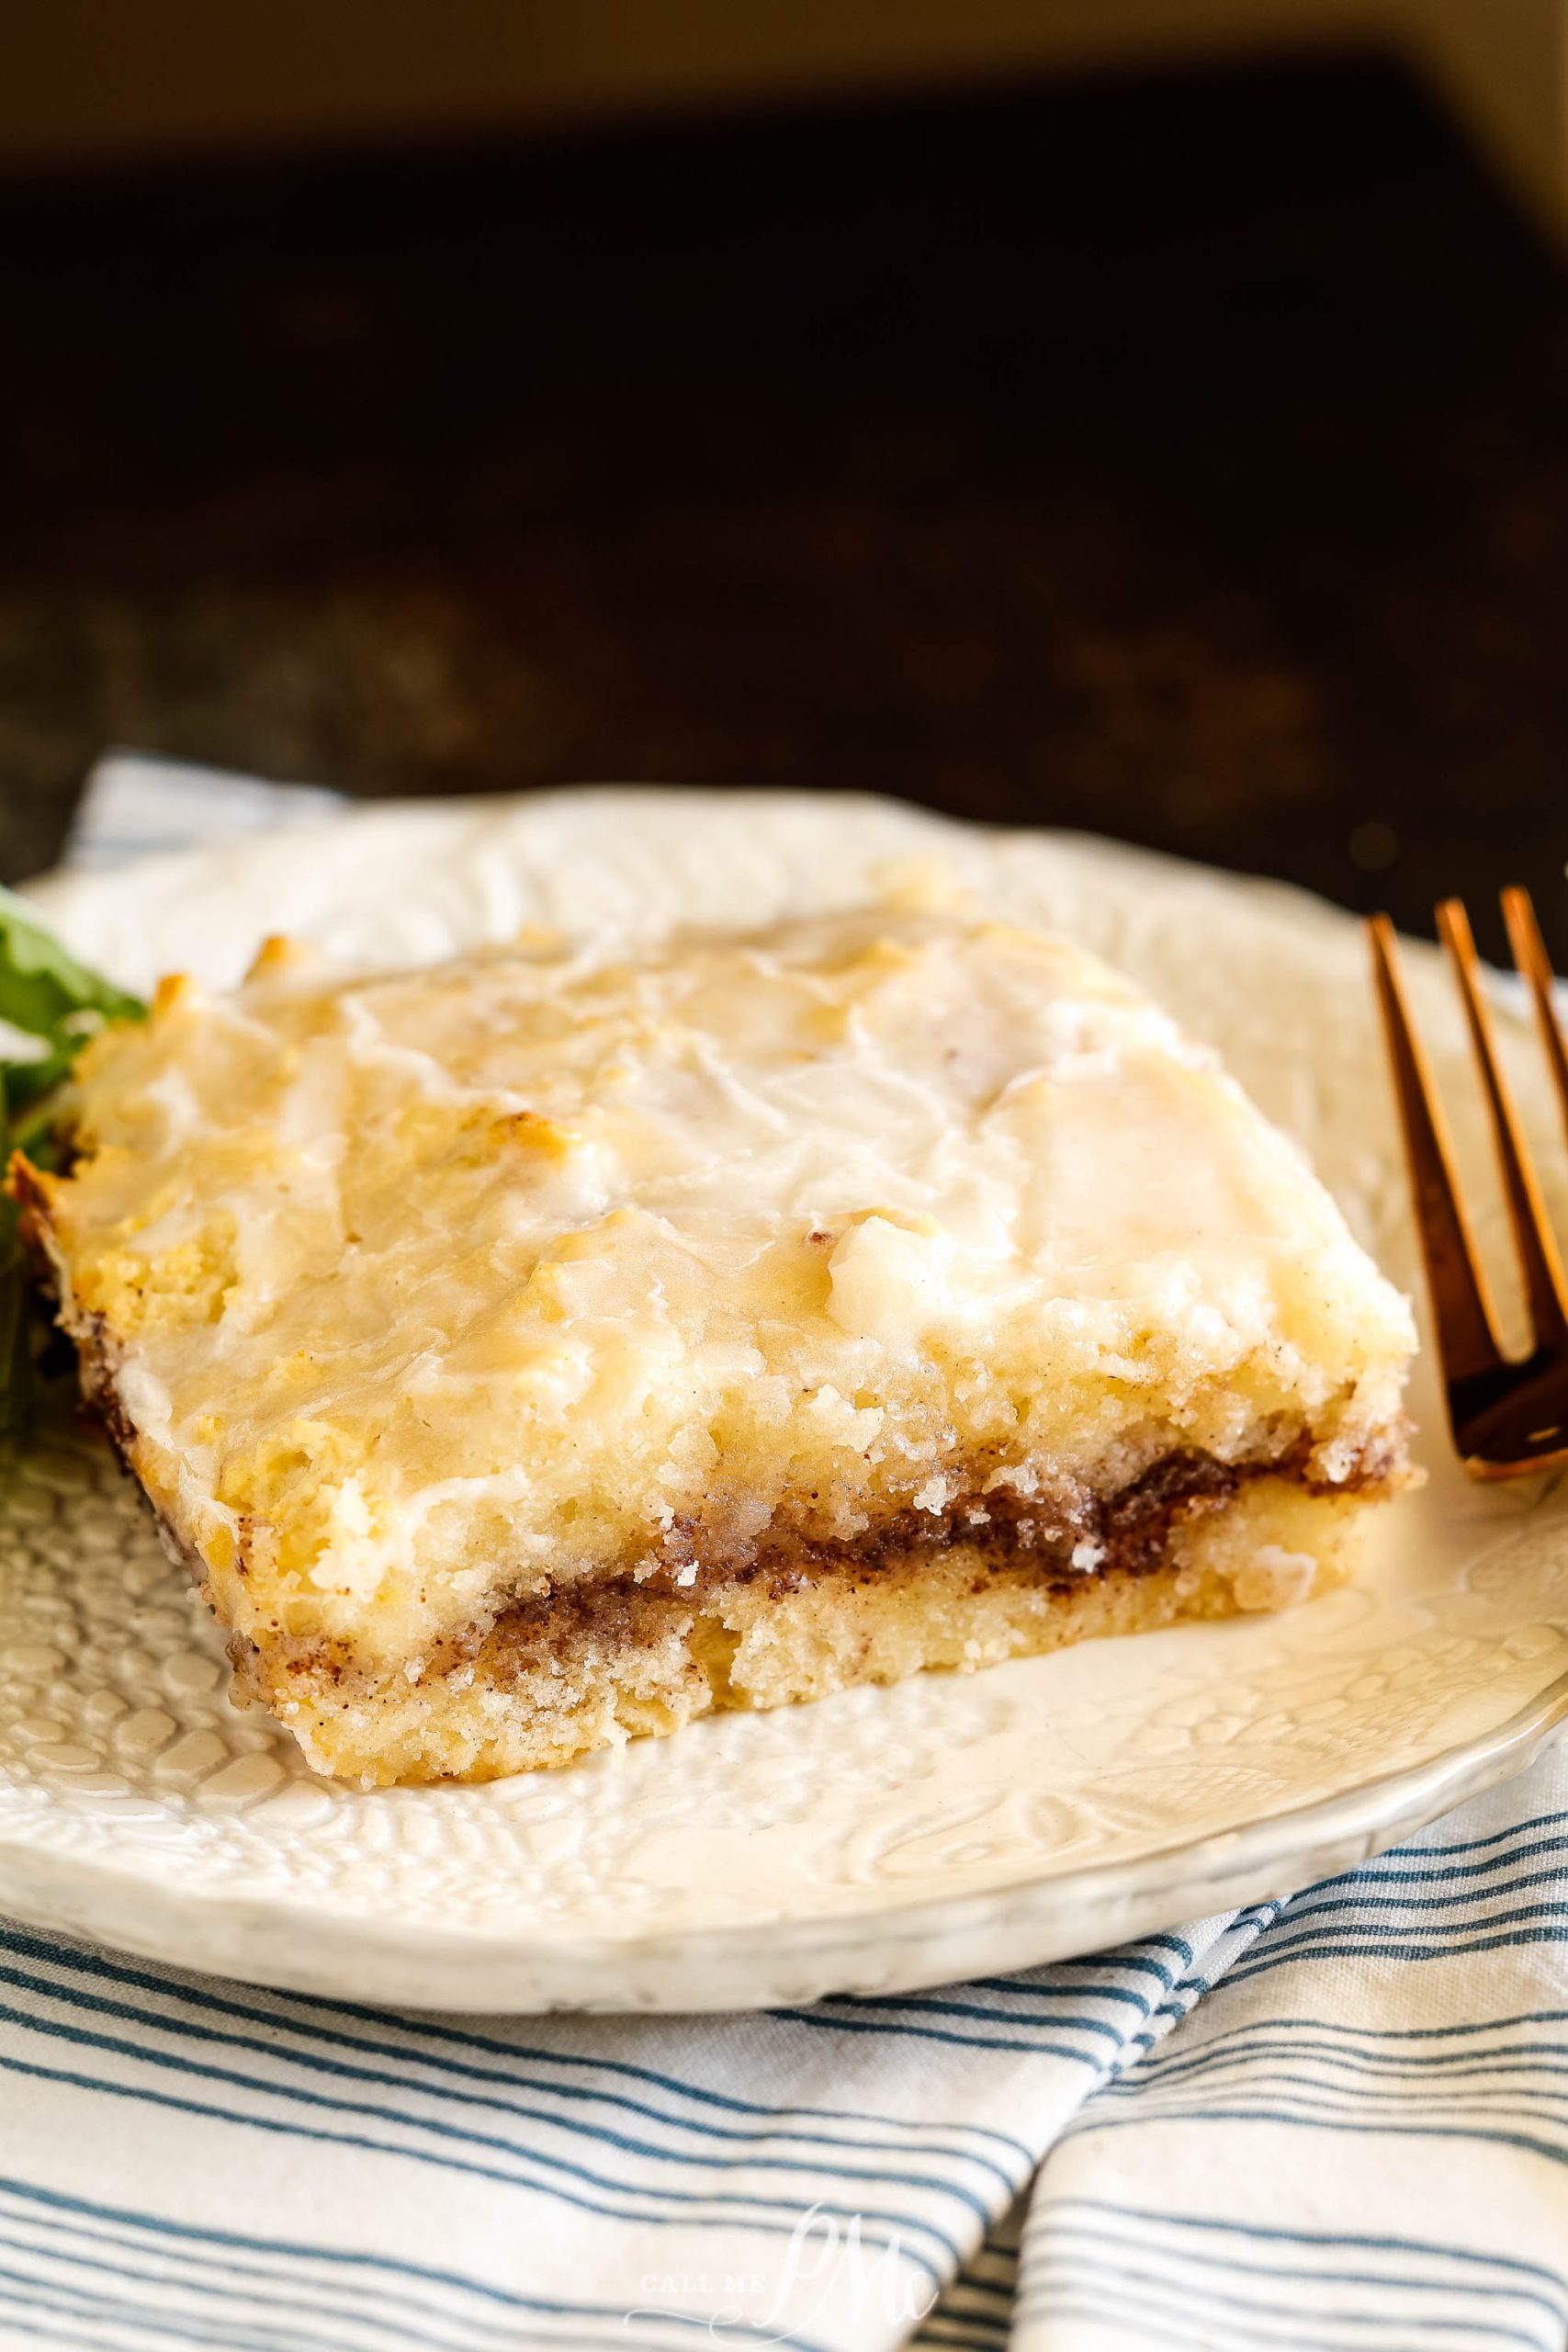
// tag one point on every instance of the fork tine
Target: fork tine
(1467, 1338)
(1537, 1247)
(1535, 968)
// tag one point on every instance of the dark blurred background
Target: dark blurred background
(1180, 452)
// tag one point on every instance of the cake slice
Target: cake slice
(543, 1349)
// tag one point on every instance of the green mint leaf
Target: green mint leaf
(45, 992)
(57, 1004)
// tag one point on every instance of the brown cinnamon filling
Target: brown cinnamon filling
(1129, 1532)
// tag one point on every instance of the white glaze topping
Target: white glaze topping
(441, 1285)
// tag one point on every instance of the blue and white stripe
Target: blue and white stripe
(311, 2138)
(1100, 2270)
(1361, 2137)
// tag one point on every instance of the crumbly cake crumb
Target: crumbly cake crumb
(544, 1347)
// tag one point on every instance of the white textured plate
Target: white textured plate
(879, 1840)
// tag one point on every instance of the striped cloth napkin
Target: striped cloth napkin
(1341, 2122)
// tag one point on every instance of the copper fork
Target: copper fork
(1509, 1415)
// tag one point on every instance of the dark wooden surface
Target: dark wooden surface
(1188, 462)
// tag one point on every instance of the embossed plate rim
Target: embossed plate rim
(1231, 1868)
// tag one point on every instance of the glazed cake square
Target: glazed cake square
(550, 1346)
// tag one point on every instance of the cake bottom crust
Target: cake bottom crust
(548, 1682)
